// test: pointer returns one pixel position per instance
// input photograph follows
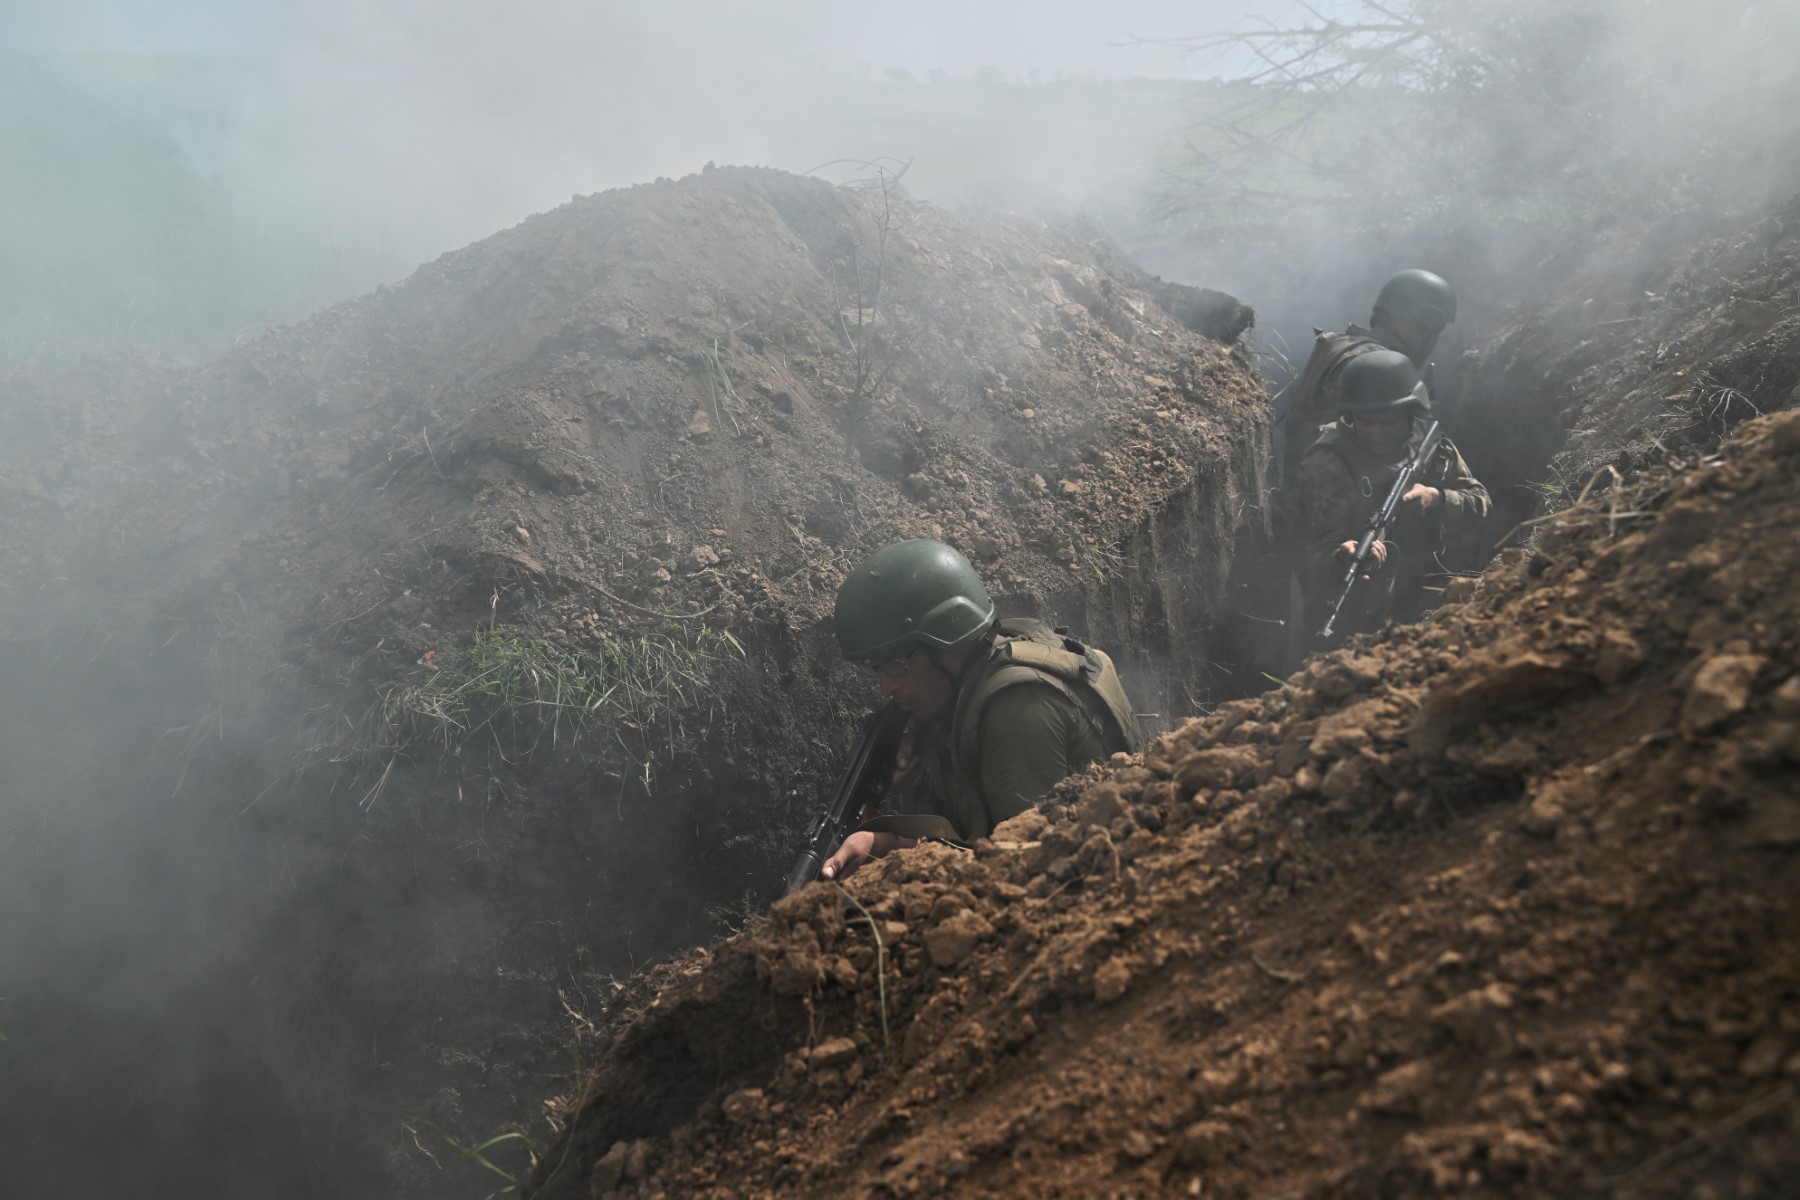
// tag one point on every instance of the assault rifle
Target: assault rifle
(864, 780)
(1383, 520)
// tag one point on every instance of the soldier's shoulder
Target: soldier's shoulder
(1448, 448)
(1325, 464)
(1329, 444)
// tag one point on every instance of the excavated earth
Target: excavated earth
(1501, 904)
(397, 679)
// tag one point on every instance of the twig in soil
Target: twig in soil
(583, 1025)
(1275, 973)
(1608, 470)
(374, 792)
(1035, 963)
(1569, 512)
(421, 1145)
(650, 612)
(1648, 739)
(425, 432)
(1680, 1150)
(880, 962)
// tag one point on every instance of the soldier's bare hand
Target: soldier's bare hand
(859, 848)
(1377, 550)
(1426, 498)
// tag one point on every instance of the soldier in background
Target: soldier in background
(1410, 313)
(1383, 413)
(999, 711)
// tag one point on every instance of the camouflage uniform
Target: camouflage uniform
(1341, 486)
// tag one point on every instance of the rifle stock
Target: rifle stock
(1383, 520)
(862, 782)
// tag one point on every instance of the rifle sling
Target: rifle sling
(916, 825)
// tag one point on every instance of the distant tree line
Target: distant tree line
(1528, 108)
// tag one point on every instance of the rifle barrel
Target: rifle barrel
(864, 777)
(1383, 519)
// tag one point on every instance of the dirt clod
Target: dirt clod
(1721, 690)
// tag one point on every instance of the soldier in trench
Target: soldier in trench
(1411, 310)
(999, 711)
(1383, 413)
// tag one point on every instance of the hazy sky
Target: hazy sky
(424, 124)
(958, 36)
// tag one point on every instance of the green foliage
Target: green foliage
(521, 695)
(476, 1154)
(724, 396)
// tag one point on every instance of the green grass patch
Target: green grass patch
(475, 1153)
(519, 696)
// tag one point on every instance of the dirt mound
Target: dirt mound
(732, 346)
(699, 395)
(1500, 905)
(491, 610)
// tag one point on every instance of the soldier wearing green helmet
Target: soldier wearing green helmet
(999, 710)
(1410, 311)
(1382, 408)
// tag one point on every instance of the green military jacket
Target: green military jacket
(1341, 487)
(1036, 709)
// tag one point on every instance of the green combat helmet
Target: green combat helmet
(919, 593)
(1380, 379)
(1420, 297)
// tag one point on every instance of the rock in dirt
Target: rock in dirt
(1400, 1092)
(745, 1106)
(1216, 769)
(1721, 690)
(955, 938)
(834, 1052)
(1112, 980)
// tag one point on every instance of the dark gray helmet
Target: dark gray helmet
(918, 593)
(1380, 379)
(1420, 297)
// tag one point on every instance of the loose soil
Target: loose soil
(1498, 905)
(635, 441)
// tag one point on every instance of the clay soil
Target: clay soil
(1501, 905)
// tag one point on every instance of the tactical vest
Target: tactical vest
(1032, 652)
(1330, 352)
